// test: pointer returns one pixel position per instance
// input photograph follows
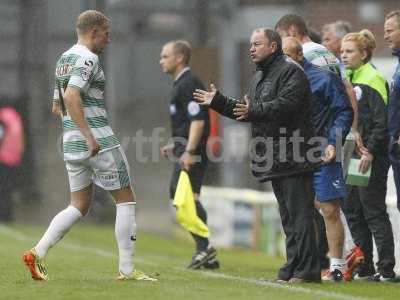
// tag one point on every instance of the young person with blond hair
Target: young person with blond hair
(364, 207)
(92, 153)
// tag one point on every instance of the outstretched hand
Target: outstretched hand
(241, 111)
(204, 97)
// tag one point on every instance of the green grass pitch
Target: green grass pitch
(84, 264)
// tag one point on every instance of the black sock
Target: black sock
(201, 242)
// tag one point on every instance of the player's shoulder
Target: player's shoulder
(84, 55)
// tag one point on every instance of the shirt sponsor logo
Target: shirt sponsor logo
(63, 70)
(193, 108)
(108, 177)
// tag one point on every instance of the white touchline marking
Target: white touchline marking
(19, 236)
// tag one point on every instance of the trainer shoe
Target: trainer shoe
(136, 275)
(212, 264)
(385, 277)
(35, 265)
(335, 276)
(353, 259)
(364, 276)
(202, 257)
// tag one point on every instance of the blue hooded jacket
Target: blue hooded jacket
(394, 102)
(332, 111)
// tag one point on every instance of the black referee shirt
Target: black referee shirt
(184, 109)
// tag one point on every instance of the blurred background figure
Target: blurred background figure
(332, 35)
(12, 147)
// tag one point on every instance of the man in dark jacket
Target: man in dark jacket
(278, 107)
(392, 36)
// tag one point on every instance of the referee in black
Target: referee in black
(190, 130)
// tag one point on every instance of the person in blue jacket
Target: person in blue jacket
(392, 37)
(333, 116)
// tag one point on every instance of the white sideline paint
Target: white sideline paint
(21, 237)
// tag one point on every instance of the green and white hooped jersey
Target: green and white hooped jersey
(78, 67)
(320, 56)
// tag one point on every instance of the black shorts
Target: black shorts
(196, 175)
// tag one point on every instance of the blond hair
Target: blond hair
(365, 41)
(89, 19)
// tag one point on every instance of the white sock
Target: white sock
(337, 264)
(125, 233)
(58, 227)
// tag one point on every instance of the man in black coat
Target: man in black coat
(278, 107)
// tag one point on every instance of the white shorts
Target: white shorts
(108, 170)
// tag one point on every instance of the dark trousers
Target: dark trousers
(365, 211)
(196, 174)
(395, 162)
(295, 197)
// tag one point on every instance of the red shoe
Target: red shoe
(353, 259)
(35, 265)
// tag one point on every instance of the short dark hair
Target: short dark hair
(182, 47)
(395, 14)
(273, 36)
(292, 20)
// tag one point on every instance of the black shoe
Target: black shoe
(202, 257)
(212, 264)
(385, 277)
(363, 275)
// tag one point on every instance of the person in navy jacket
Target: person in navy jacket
(392, 37)
(332, 116)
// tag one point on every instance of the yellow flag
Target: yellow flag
(186, 209)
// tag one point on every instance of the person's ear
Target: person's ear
(364, 55)
(274, 46)
(179, 58)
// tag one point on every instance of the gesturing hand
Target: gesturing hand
(241, 111)
(204, 97)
